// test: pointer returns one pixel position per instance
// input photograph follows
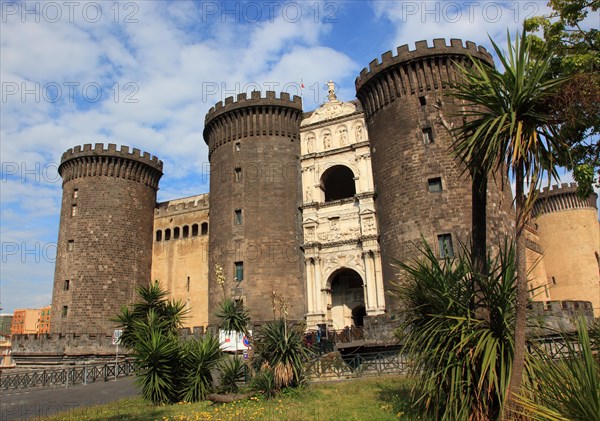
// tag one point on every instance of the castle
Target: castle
(311, 206)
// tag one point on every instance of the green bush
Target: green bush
(280, 346)
(156, 356)
(232, 371)
(264, 383)
(168, 369)
(200, 357)
(567, 387)
(462, 360)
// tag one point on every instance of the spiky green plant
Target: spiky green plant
(280, 345)
(152, 297)
(200, 358)
(264, 383)
(509, 124)
(463, 363)
(150, 331)
(567, 387)
(156, 354)
(233, 315)
(232, 371)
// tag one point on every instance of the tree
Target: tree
(463, 362)
(168, 368)
(169, 314)
(576, 104)
(508, 125)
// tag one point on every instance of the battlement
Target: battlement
(422, 50)
(123, 152)
(546, 318)
(558, 189)
(562, 197)
(79, 162)
(254, 116)
(242, 100)
(183, 205)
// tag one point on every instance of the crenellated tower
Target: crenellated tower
(104, 248)
(254, 150)
(421, 189)
(569, 236)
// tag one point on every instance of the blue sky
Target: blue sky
(145, 73)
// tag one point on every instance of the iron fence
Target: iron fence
(68, 376)
(336, 366)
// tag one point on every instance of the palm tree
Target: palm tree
(151, 297)
(234, 318)
(508, 124)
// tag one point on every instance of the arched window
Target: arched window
(204, 230)
(186, 231)
(194, 230)
(176, 233)
(159, 235)
(338, 183)
(167, 234)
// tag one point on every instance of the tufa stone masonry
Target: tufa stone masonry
(312, 206)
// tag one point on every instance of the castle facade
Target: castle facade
(313, 207)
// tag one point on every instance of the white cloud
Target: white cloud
(465, 20)
(152, 63)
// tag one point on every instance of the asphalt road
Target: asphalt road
(42, 402)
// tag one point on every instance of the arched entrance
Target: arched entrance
(347, 305)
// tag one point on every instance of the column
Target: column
(319, 287)
(309, 285)
(379, 281)
(370, 296)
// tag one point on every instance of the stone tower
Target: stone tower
(569, 237)
(420, 189)
(254, 151)
(104, 246)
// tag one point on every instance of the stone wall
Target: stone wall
(569, 235)
(421, 190)
(254, 151)
(180, 254)
(104, 248)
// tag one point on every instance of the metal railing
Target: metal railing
(337, 366)
(67, 376)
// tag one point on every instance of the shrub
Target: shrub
(156, 356)
(200, 357)
(232, 370)
(264, 383)
(462, 362)
(281, 347)
(567, 388)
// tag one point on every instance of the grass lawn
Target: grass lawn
(371, 399)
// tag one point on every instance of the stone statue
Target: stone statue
(343, 135)
(310, 143)
(327, 140)
(331, 89)
(359, 133)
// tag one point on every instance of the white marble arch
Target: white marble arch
(342, 300)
